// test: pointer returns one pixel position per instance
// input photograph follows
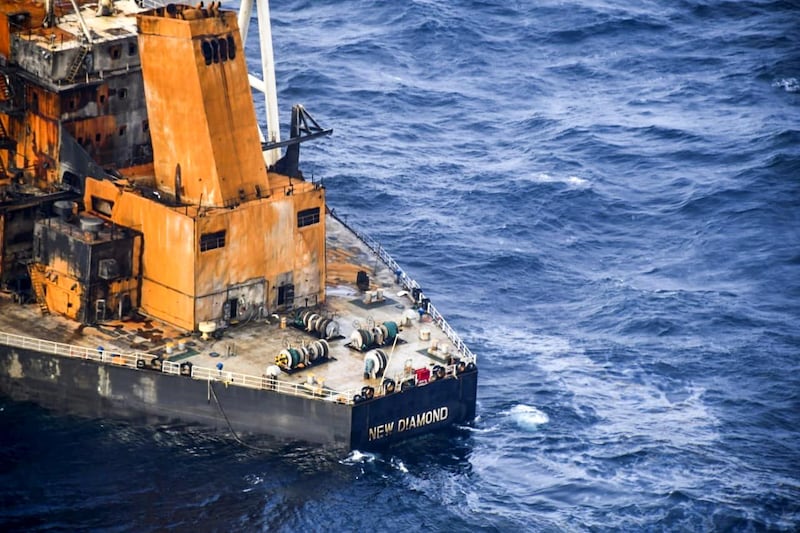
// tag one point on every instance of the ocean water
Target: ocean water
(603, 197)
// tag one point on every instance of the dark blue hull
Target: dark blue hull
(91, 388)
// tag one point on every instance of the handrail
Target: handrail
(140, 361)
(151, 4)
(101, 355)
(409, 284)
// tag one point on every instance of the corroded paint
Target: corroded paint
(103, 136)
(103, 382)
(343, 266)
(146, 390)
(208, 129)
(265, 234)
(63, 294)
(5, 34)
(237, 238)
(86, 276)
(37, 135)
(183, 285)
(107, 117)
(15, 367)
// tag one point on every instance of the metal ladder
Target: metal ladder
(6, 143)
(36, 272)
(5, 88)
(77, 63)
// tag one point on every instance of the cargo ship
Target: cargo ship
(164, 259)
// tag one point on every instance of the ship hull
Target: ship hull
(105, 390)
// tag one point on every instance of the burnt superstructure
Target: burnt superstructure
(71, 104)
(84, 269)
(139, 199)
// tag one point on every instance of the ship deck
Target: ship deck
(246, 350)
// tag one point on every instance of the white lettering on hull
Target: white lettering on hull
(408, 423)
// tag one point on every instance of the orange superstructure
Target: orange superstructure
(161, 141)
(195, 76)
(223, 239)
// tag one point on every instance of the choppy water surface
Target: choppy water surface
(603, 197)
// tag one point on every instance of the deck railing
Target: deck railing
(151, 4)
(410, 284)
(141, 361)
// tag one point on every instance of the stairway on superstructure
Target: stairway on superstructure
(36, 272)
(77, 63)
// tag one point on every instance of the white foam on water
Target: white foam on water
(358, 457)
(398, 464)
(572, 181)
(253, 480)
(502, 338)
(631, 403)
(527, 417)
(473, 429)
(790, 85)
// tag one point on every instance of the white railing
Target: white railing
(102, 355)
(152, 4)
(409, 284)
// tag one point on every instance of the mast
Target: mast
(49, 14)
(268, 85)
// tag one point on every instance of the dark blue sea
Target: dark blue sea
(602, 197)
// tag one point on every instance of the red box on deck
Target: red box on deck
(423, 375)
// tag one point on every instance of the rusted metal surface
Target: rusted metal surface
(57, 131)
(36, 11)
(89, 274)
(240, 243)
(105, 113)
(234, 254)
(194, 71)
(3, 266)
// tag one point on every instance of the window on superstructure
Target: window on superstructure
(211, 241)
(101, 205)
(215, 51)
(205, 49)
(231, 48)
(223, 50)
(308, 217)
